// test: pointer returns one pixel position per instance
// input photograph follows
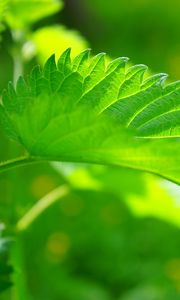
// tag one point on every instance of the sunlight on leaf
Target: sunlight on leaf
(145, 194)
(86, 110)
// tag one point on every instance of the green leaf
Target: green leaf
(87, 111)
(21, 13)
(145, 192)
(59, 39)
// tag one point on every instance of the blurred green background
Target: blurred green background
(116, 235)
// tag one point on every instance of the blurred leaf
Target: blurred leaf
(145, 194)
(59, 39)
(151, 33)
(96, 244)
(145, 292)
(84, 111)
(21, 13)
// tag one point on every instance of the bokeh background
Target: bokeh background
(116, 235)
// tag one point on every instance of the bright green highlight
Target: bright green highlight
(20, 13)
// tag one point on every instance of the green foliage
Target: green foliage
(87, 111)
(96, 249)
(20, 13)
(59, 39)
(114, 232)
(145, 192)
(146, 31)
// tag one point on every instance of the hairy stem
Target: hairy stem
(41, 206)
(16, 162)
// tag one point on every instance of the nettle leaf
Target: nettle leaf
(86, 110)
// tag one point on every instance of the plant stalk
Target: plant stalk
(16, 162)
(41, 206)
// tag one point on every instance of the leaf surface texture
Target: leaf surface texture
(88, 110)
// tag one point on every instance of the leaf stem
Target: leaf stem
(16, 162)
(41, 206)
